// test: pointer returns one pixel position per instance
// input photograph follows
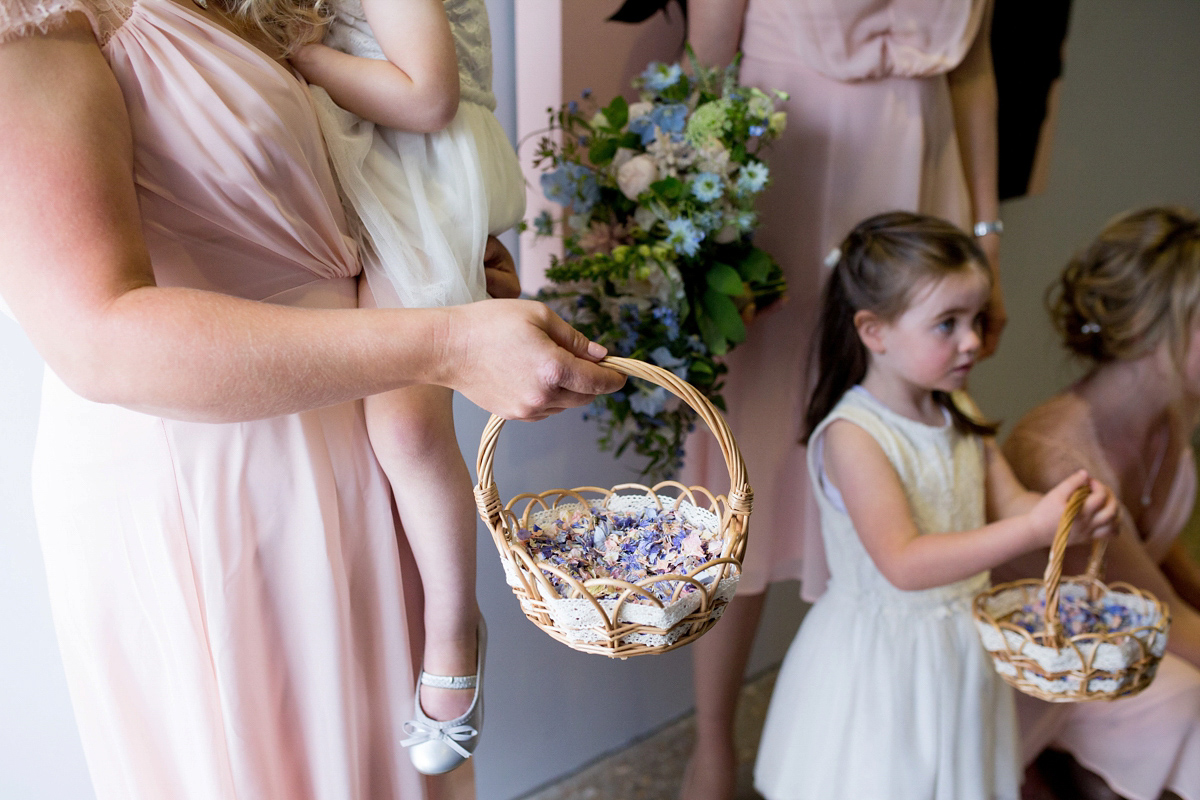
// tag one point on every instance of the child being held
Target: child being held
(886, 691)
(403, 94)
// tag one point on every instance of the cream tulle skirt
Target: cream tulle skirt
(425, 202)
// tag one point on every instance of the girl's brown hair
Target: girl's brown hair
(882, 262)
(286, 24)
(1137, 284)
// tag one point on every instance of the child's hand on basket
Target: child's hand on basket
(1095, 520)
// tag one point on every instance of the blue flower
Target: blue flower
(745, 220)
(543, 223)
(572, 185)
(651, 403)
(586, 93)
(670, 320)
(662, 356)
(707, 220)
(707, 187)
(684, 236)
(670, 118)
(572, 106)
(659, 76)
(752, 177)
(758, 130)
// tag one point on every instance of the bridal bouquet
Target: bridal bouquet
(658, 261)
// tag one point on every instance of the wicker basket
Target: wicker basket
(1058, 668)
(633, 622)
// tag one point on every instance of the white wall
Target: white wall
(1129, 134)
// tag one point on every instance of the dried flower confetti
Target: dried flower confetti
(622, 545)
(1080, 615)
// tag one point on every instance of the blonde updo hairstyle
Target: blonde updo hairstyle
(1137, 284)
(286, 24)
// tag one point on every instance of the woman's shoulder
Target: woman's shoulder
(1054, 439)
(19, 18)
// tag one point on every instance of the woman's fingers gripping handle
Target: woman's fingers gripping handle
(522, 361)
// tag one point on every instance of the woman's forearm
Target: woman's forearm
(715, 29)
(190, 354)
(973, 97)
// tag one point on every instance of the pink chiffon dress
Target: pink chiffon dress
(228, 598)
(870, 129)
(1141, 745)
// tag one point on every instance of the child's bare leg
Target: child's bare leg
(412, 432)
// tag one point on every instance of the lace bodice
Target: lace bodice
(350, 33)
(943, 475)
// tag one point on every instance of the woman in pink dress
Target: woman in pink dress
(226, 577)
(1130, 304)
(892, 106)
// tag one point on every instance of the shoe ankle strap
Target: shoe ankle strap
(449, 681)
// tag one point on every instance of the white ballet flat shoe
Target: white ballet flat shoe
(434, 746)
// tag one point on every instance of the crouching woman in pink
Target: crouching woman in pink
(1129, 304)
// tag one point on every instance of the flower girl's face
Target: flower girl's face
(935, 342)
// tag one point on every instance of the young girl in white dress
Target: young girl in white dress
(403, 93)
(886, 691)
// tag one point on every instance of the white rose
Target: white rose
(640, 109)
(636, 175)
(622, 155)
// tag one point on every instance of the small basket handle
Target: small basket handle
(1054, 568)
(740, 495)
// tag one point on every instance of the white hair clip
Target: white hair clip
(833, 257)
(1089, 327)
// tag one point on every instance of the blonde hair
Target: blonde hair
(287, 24)
(1137, 284)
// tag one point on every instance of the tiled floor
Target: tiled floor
(652, 768)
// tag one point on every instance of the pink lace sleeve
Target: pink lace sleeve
(26, 17)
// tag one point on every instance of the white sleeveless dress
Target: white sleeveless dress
(887, 693)
(426, 202)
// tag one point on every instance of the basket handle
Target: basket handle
(1058, 550)
(740, 497)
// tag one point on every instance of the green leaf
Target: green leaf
(712, 335)
(617, 113)
(725, 314)
(700, 370)
(756, 266)
(725, 279)
(602, 151)
(631, 140)
(667, 188)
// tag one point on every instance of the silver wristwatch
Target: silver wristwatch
(984, 228)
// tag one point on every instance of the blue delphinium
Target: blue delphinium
(707, 187)
(662, 356)
(684, 236)
(757, 130)
(649, 402)
(572, 185)
(670, 320)
(670, 118)
(752, 177)
(660, 76)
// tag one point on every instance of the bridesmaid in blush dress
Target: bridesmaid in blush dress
(226, 576)
(892, 106)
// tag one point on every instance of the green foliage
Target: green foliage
(658, 214)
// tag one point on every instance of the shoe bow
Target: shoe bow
(420, 732)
